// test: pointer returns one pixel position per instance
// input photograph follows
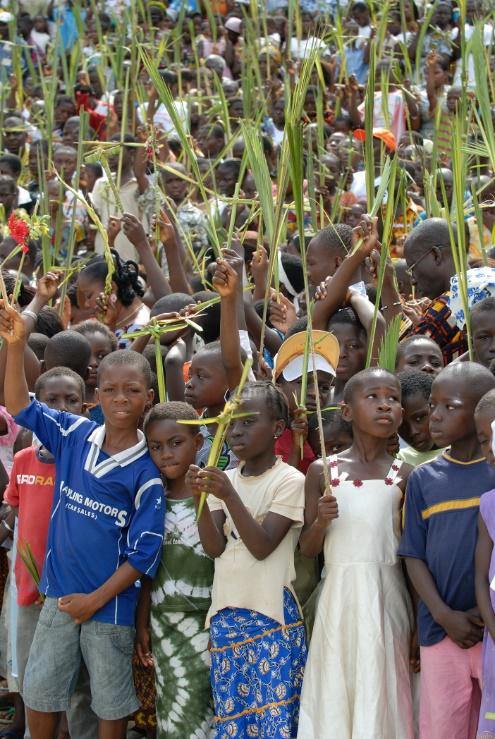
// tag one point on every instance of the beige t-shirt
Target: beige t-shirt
(241, 580)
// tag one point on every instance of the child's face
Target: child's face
(292, 390)
(484, 338)
(63, 394)
(451, 411)
(415, 427)
(484, 432)
(100, 347)
(207, 382)
(336, 440)
(173, 447)
(353, 348)
(422, 355)
(375, 407)
(88, 291)
(320, 261)
(123, 395)
(251, 436)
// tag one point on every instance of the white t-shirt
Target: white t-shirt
(241, 580)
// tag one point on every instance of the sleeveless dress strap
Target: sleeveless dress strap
(333, 467)
(393, 476)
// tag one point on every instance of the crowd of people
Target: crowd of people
(247, 369)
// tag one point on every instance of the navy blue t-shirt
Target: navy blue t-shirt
(107, 510)
(440, 527)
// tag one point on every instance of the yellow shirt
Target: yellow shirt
(241, 580)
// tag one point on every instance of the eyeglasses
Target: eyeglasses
(409, 270)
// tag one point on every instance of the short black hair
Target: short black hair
(430, 233)
(40, 383)
(486, 404)
(172, 411)
(360, 377)
(48, 322)
(13, 162)
(410, 340)
(275, 400)
(299, 325)
(484, 306)
(336, 238)
(329, 417)
(292, 265)
(172, 303)
(37, 343)
(92, 326)
(414, 382)
(346, 315)
(127, 358)
(68, 349)
(473, 379)
(210, 320)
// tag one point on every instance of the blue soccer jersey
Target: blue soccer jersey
(107, 510)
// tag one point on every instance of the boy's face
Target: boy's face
(421, 355)
(63, 394)
(123, 395)
(484, 338)
(353, 349)
(415, 427)
(336, 440)
(484, 432)
(292, 390)
(173, 447)
(451, 411)
(207, 382)
(321, 262)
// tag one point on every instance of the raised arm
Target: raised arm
(226, 283)
(14, 333)
(133, 229)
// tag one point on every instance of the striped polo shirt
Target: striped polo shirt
(440, 527)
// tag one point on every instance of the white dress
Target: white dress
(357, 679)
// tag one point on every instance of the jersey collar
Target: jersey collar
(122, 459)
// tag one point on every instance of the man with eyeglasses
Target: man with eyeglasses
(430, 265)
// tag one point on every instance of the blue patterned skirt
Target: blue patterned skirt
(257, 668)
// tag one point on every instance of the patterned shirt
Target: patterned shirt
(439, 324)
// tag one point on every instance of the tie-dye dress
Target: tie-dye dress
(180, 601)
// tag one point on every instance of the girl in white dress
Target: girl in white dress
(357, 681)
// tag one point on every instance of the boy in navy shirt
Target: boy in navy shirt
(438, 542)
(106, 531)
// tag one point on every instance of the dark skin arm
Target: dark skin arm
(174, 362)
(254, 323)
(484, 549)
(143, 633)
(175, 255)
(320, 509)
(464, 628)
(133, 229)
(82, 606)
(226, 283)
(13, 332)
(260, 539)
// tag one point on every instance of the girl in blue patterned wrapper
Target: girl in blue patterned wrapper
(250, 526)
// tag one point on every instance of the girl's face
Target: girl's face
(88, 291)
(251, 436)
(422, 355)
(292, 390)
(353, 348)
(173, 447)
(375, 407)
(336, 440)
(100, 347)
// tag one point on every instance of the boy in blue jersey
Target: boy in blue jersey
(438, 543)
(106, 531)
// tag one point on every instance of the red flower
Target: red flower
(19, 231)
(395, 467)
(25, 249)
(389, 481)
(357, 483)
(334, 463)
(335, 483)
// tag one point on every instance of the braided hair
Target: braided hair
(125, 276)
(275, 400)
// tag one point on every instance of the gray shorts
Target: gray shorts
(58, 647)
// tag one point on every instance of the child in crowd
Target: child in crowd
(179, 596)
(419, 353)
(485, 567)
(415, 427)
(337, 432)
(288, 374)
(438, 544)
(102, 342)
(363, 618)
(483, 328)
(106, 531)
(250, 526)
(30, 493)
